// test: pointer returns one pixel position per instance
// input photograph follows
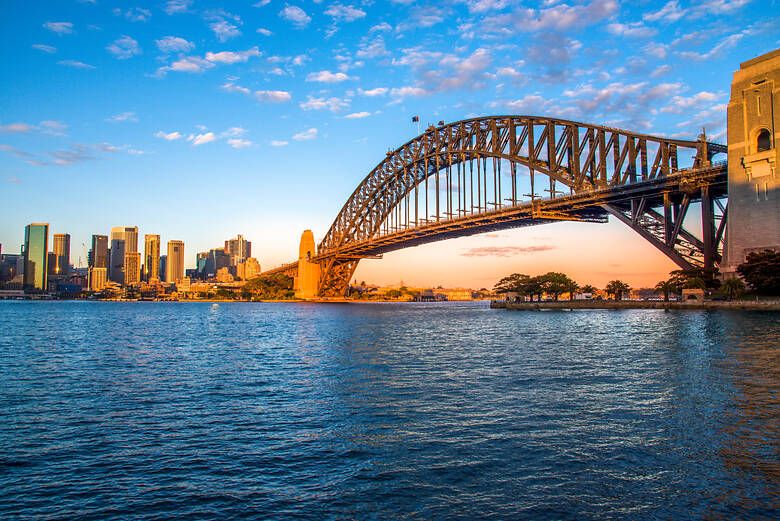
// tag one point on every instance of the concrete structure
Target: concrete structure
(124, 240)
(98, 255)
(174, 266)
(132, 268)
(693, 296)
(36, 256)
(753, 127)
(151, 257)
(98, 277)
(248, 269)
(224, 275)
(308, 280)
(238, 249)
(62, 253)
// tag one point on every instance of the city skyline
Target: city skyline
(123, 122)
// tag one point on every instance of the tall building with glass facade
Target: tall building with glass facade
(175, 262)
(36, 251)
(62, 253)
(132, 268)
(239, 249)
(151, 257)
(124, 241)
(98, 255)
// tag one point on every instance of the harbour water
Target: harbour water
(151, 411)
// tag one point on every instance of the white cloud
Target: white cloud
(173, 136)
(224, 30)
(273, 96)
(483, 6)
(327, 77)
(45, 48)
(202, 139)
(134, 14)
(177, 6)
(671, 12)
(124, 48)
(632, 30)
(344, 13)
(171, 44)
(562, 17)
(189, 64)
(232, 87)
(659, 50)
(232, 57)
(261, 3)
(332, 104)
(306, 135)
(59, 27)
(357, 115)
(276, 143)
(239, 143)
(379, 91)
(75, 64)
(296, 15)
(15, 127)
(384, 26)
(233, 132)
(681, 104)
(374, 49)
(264, 32)
(407, 92)
(660, 71)
(530, 104)
(55, 128)
(727, 43)
(124, 116)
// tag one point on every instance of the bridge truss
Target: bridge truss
(489, 173)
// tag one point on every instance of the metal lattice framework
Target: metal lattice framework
(425, 190)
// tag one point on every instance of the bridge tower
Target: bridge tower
(308, 280)
(753, 221)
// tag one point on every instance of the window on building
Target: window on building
(763, 141)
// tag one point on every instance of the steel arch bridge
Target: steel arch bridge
(468, 177)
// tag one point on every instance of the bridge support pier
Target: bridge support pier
(307, 282)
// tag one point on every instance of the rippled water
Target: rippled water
(383, 411)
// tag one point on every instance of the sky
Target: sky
(200, 120)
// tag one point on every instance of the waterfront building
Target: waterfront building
(248, 269)
(61, 253)
(51, 264)
(151, 257)
(238, 249)
(163, 267)
(98, 255)
(98, 277)
(132, 268)
(36, 250)
(128, 235)
(224, 275)
(175, 261)
(116, 270)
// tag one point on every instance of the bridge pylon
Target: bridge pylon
(307, 282)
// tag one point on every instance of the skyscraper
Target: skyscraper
(36, 250)
(62, 253)
(98, 255)
(239, 249)
(175, 262)
(151, 257)
(124, 240)
(132, 268)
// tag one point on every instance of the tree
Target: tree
(511, 284)
(732, 288)
(270, 287)
(554, 283)
(587, 288)
(617, 288)
(695, 283)
(394, 293)
(705, 279)
(761, 271)
(665, 287)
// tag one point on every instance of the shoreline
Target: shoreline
(773, 305)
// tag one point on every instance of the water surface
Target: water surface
(150, 411)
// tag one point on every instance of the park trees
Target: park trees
(270, 287)
(665, 287)
(617, 288)
(761, 271)
(732, 288)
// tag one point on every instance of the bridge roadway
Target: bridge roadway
(627, 202)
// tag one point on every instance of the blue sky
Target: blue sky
(199, 120)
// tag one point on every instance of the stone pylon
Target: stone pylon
(307, 283)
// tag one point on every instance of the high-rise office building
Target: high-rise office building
(238, 249)
(151, 257)
(163, 267)
(175, 262)
(248, 269)
(97, 278)
(132, 268)
(98, 255)
(36, 252)
(62, 253)
(124, 240)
